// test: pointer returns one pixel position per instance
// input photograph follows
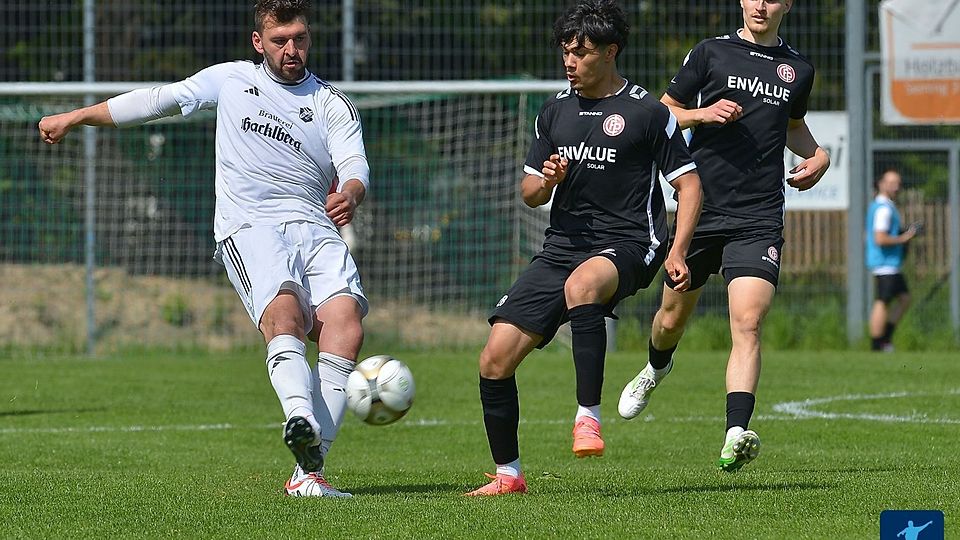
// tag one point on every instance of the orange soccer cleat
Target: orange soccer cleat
(501, 484)
(586, 438)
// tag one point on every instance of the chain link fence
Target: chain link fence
(443, 233)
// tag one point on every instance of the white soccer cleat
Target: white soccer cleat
(636, 395)
(313, 484)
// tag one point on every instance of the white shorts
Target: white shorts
(307, 258)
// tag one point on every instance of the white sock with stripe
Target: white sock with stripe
(291, 377)
(330, 403)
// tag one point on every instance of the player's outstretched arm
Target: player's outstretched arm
(801, 142)
(55, 127)
(535, 189)
(689, 203)
(721, 112)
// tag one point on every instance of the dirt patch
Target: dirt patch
(45, 306)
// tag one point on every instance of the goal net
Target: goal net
(439, 239)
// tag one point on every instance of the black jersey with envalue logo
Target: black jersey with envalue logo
(741, 164)
(615, 147)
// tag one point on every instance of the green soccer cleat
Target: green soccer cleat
(738, 451)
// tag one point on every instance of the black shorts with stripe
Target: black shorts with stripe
(733, 247)
(536, 303)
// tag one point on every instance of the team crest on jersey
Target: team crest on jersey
(306, 114)
(614, 125)
(786, 73)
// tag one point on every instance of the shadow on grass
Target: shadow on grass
(855, 469)
(778, 486)
(423, 489)
(34, 412)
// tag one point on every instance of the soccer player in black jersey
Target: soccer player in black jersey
(597, 149)
(745, 96)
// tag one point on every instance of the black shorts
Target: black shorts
(890, 286)
(536, 303)
(735, 247)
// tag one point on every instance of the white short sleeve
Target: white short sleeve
(881, 219)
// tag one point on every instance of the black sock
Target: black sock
(660, 359)
(888, 332)
(739, 409)
(501, 417)
(589, 334)
(876, 344)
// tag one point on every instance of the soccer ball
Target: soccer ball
(380, 390)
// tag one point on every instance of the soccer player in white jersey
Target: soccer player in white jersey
(291, 168)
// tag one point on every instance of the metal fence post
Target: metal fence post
(90, 171)
(854, 75)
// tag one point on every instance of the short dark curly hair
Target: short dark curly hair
(282, 11)
(602, 21)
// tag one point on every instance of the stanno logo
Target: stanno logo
(306, 114)
(252, 90)
(502, 301)
(786, 73)
(591, 113)
(761, 55)
(270, 131)
(614, 125)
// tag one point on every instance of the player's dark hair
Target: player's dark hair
(603, 21)
(282, 11)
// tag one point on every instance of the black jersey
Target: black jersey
(741, 164)
(615, 147)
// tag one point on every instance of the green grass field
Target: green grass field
(188, 445)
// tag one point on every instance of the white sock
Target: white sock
(510, 469)
(290, 376)
(735, 431)
(659, 373)
(590, 412)
(331, 402)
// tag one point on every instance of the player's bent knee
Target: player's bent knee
(495, 364)
(579, 291)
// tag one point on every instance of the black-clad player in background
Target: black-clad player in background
(745, 96)
(597, 149)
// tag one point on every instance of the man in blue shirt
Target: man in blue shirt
(886, 247)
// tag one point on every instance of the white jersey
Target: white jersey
(280, 146)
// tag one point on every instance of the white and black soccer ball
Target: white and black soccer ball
(380, 390)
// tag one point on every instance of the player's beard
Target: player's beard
(291, 75)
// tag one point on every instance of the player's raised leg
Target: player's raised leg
(506, 347)
(669, 324)
(338, 332)
(749, 299)
(586, 291)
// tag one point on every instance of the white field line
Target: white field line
(805, 409)
(789, 411)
